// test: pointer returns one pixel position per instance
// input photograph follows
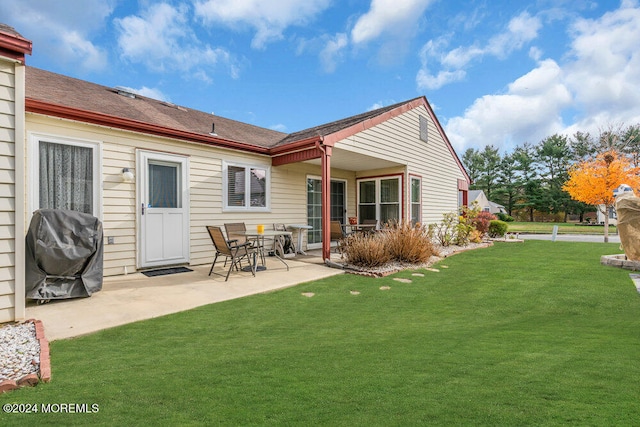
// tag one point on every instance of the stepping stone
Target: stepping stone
(435, 270)
(398, 279)
(444, 266)
(418, 274)
(355, 293)
(308, 294)
(385, 288)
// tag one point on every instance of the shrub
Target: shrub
(497, 228)
(504, 217)
(366, 250)
(408, 243)
(482, 220)
(445, 231)
(475, 237)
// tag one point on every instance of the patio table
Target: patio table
(260, 239)
(299, 228)
(360, 227)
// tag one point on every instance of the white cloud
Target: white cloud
(333, 52)
(450, 64)
(596, 86)
(269, 18)
(148, 92)
(62, 33)
(529, 111)
(279, 127)
(388, 16)
(161, 39)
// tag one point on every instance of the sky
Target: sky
(496, 72)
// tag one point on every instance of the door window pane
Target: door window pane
(163, 186)
(66, 177)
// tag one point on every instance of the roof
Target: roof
(67, 97)
(12, 44)
(66, 91)
(338, 125)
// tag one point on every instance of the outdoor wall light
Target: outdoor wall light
(127, 175)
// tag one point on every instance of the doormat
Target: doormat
(165, 271)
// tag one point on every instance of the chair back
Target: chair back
(336, 230)
(233, 229)
(371, 222)
(218, 239)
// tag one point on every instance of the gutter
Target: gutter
(54, 110)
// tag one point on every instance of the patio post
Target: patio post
(326, 201)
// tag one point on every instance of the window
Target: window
(246, 187)
(416, 200)
(379, 199)
(65, 175)
(424, 128)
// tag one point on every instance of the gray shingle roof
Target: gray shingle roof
(55, 88)
(66, 91)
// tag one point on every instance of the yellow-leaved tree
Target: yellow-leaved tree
(593, 182)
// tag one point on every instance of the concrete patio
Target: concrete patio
(134, 297)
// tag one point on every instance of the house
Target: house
(156, 173)
(485, 204)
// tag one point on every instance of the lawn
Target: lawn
(563, 228)
(534, 333)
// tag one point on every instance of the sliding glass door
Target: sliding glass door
(314, 206)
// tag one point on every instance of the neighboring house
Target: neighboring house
(485, 204)
(78, 144)
(611, 211)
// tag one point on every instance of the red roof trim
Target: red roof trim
(45, 108)
(297, 156)
(14, 46)
(303, 144)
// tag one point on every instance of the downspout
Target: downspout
(325, 164)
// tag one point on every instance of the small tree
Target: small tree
(593, 181)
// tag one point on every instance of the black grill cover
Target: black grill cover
(64, 255)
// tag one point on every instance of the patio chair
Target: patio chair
(372, 222)
(237, 252)
(234, 234)
(337, 234)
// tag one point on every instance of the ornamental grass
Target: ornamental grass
(404, 243)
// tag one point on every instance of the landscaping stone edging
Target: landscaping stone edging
(44, 375)
(620, 261)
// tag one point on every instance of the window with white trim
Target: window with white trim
(65, 175)
(416, 200)
(379, 199)
(246, 187)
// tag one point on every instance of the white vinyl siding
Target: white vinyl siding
(288, 189)
(398, 140)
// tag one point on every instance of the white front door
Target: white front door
(163, 209)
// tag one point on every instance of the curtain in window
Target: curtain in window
(163, 186)
(66, 177)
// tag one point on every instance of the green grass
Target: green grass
(534, 333)
(563, 228)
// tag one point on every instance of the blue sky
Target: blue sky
(498, 72)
